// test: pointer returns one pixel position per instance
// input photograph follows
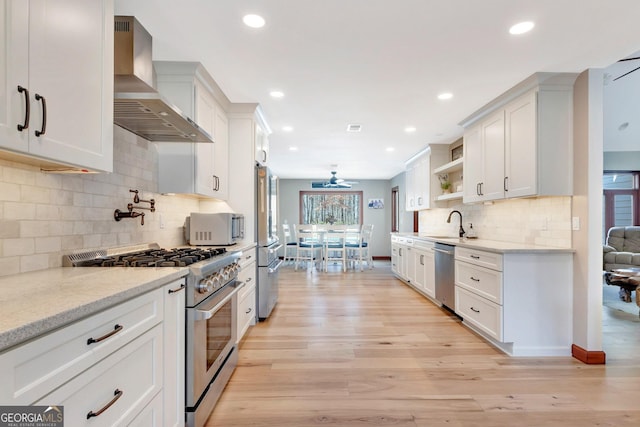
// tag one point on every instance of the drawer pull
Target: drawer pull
(173, 291)
(248, 311)
(249, 279)
(474, 279)
(474, 256)
(474, 310)
(117, 395)
(117, 328)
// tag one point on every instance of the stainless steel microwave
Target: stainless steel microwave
(215, 229)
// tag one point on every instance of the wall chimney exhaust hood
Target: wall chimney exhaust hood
(137, 105)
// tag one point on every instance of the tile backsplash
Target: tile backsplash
(542, 221)
(44, 216)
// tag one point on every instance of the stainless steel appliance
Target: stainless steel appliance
(445, 274)
(137, 106)
(268, 241)
(214, 229)
(211, 305)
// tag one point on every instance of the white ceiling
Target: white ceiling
(379, 63)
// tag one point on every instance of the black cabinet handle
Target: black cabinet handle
(173, 291)
(43, 129)
(506, 178)
(117, 328)
(474, 256)
(27, 111)
(117, 395)
(248, 311)
(473, 309)
(474, 279)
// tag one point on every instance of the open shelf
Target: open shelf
(450, 196)
(453, 166)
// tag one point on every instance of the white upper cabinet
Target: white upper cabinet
(200, 169)
(520, 144)
(261, 146)
(56, 82)
(422, 185)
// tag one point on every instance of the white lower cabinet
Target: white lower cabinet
(520, 301)
(116, 389)
(412, 260)
(124, 364)
(246, 314)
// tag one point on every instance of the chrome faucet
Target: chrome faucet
(461, 232)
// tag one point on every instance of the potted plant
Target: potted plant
(445, 184)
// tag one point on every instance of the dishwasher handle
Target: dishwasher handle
(443, 251)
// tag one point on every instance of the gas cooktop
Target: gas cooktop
(142, 256)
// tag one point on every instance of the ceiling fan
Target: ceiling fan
(333, 182)
(628, 72)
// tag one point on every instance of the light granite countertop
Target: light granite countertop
(35, 303)
(487, 245)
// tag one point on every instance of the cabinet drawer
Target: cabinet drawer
(135, 370)
(248, 276)
(482, 281)
(246, 312)
(37, 367)
(247, 257)
(483, 314)
(151, 416)
(484, 259)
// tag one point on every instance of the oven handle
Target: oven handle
(274, 269)
(276, 249)
(208, 314)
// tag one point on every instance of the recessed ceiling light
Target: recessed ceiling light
(253, 21)
(521, 28)
(287, 128)
(445, 95)
(354, 127)
(276, 94)
(410, 129)
(389, 149)
(293, 148)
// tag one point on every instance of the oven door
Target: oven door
(210, 336)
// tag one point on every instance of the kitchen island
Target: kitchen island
(519, 297)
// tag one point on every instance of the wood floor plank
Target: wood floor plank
(364, 349)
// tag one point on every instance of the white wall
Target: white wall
(380, 218)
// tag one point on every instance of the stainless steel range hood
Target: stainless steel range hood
(137, 106)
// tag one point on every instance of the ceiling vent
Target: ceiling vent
(354, 128)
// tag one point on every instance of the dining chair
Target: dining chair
(359, 250)
(290, 245)
(308, 245)
(334, 249)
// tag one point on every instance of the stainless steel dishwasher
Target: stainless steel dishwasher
(445, 274)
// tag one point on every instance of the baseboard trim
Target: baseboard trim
(588, 357)
(381, 258)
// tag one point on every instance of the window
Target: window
(331, 207)
(620, 200)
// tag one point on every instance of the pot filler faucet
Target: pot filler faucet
(461, 232)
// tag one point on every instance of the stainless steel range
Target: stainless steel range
(211, 304)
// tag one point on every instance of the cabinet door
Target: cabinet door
(521, 147)
(410, 265)
(429, 270)
(261, 146)
(174, 364)
(394, 258)
(221, 155)
(472, 164)
(205, 113)
(14, 47)
(410, 185)
(422, 185)
(71, 72)
(492, 186)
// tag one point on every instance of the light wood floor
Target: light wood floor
(363, 349)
